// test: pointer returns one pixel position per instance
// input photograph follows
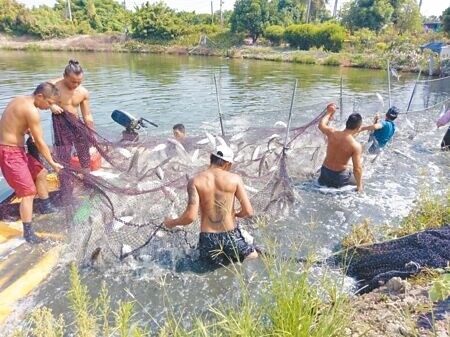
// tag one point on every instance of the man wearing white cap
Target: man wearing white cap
(214, 191)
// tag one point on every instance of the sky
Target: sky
(429, 7)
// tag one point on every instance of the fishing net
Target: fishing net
(119, 209)
(374, 265)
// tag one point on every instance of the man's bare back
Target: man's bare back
(342, 146)
(213, 193)
(216, 190)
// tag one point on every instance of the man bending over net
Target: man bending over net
(341, 147)
(214, 191)
(73, 97)
(21, 171)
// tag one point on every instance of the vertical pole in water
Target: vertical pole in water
(341, 101)
(70, 10)
(389, 81)
(218, 106)
(288, 128)
(431, 64)
(414, 90)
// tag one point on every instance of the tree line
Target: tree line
(301, 23)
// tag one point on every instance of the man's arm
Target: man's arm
(357, 166)
(191, 211)
(323, 124)
(35, 128)
(373, 127)
(55, 108)
(241, 195)
(86, 112)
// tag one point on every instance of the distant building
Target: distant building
(432, 26)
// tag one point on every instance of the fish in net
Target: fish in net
(118, 210)
(373, 265)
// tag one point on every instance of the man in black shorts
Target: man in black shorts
(213, 192)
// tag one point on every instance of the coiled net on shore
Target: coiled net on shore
(374, 265)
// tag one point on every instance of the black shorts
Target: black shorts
(224, 247)
(445, 145)
(332, 178)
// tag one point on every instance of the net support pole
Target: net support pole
(286, 139)
(218, 106)
(389, 81)
(341, 100)
(413, 91)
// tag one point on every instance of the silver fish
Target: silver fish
(159, 173)
(159, 147)
(195, 155)
(280, 123)
(256, 152)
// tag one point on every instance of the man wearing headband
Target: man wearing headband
(213, 192)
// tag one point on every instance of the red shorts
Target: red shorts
(19, 169)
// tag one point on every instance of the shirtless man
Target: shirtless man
(72, 96)
(341, 147)
(214, 191)
(21, 171)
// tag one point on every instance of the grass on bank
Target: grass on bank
(285, 303)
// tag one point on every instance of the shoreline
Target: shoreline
(117, 43)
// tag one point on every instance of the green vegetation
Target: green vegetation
(430, 211)
(286, 304)
(446, 21)
(366, 34)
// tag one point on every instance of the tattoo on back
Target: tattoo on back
(220, 210)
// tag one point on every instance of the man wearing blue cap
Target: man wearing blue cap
(213, 192)
(382, 131)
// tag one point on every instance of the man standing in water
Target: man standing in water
(444, 119)
(214, 191)
(73, 97)
(383, 131)
(22, 172)
(341, 147)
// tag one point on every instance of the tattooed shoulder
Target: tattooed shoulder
(192, 193)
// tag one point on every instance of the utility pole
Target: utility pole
(70, 10)
(308, 11)
(420, 4)
(212, 13)
(221, 14)
(124, 4)
(335, 8)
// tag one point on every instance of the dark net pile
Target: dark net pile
(374, 265)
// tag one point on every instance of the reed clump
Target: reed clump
(287, 302)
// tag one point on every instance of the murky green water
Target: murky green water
(180, 89)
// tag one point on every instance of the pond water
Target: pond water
(180, 89)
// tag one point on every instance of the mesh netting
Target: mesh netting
(374, 265)
(120, 208)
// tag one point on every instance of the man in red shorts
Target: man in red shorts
(19, 169)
